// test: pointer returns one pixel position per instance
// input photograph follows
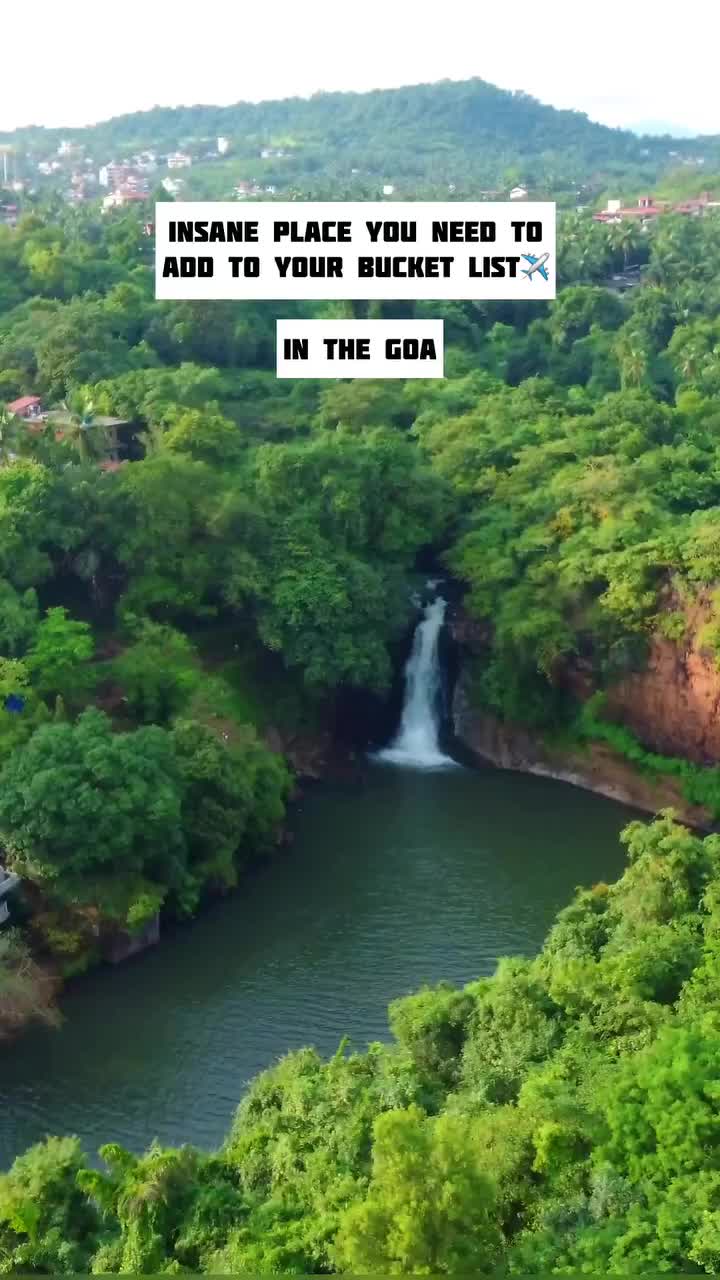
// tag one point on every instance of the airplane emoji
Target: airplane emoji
(536, 264)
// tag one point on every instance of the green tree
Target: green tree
(16, 726)
(203, 434)
(47, 1225)
(429, 1207)
(18, 618)
(58, 659)
(233, 799)
(157, 672)
(92, 816)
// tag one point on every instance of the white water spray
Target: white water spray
(416, 743)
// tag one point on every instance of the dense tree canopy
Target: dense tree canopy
(252, 557)
(560, 1116)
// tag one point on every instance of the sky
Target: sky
(80, 61)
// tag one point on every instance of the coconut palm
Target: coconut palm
(88, 437)
(632, 357)
(625, 238)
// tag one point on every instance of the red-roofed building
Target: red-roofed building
(647, 208)
(27, 407)
(124, 195)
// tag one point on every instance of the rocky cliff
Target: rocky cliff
(672, 706)
(595, 767)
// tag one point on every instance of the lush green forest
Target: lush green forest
(254, 556)
(561, 1116)
(253, 559)
(468, 133)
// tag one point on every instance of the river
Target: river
(402, 878)
(418, 871)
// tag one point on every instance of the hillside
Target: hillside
(468, 133)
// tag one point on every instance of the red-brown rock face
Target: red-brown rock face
(673, 706)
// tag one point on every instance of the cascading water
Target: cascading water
(416, 743)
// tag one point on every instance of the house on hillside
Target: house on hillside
(29, 408)
(179, 160)
(114, 175)
(642, 212)
(647, 208)
(124, 196)
(519, 193)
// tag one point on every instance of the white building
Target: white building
(518, 193)
(388, 189)
(122, 196)
(173, 186)
(179, 160)
(223, 146)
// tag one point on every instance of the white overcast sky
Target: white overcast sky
(73, 62)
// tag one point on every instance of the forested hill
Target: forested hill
(463, 132)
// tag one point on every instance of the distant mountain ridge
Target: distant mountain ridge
(451, 132)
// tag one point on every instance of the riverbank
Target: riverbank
(592, 766)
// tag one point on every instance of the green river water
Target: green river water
(400, 878)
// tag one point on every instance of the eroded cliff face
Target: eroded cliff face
(594, 767)
(673, 705)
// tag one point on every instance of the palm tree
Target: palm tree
(632, 357)
(625, 238)
(89, 438)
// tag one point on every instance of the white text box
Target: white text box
(360, 349)
(420, 250)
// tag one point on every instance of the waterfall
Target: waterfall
(416, 743)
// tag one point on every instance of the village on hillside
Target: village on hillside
(76, 176)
